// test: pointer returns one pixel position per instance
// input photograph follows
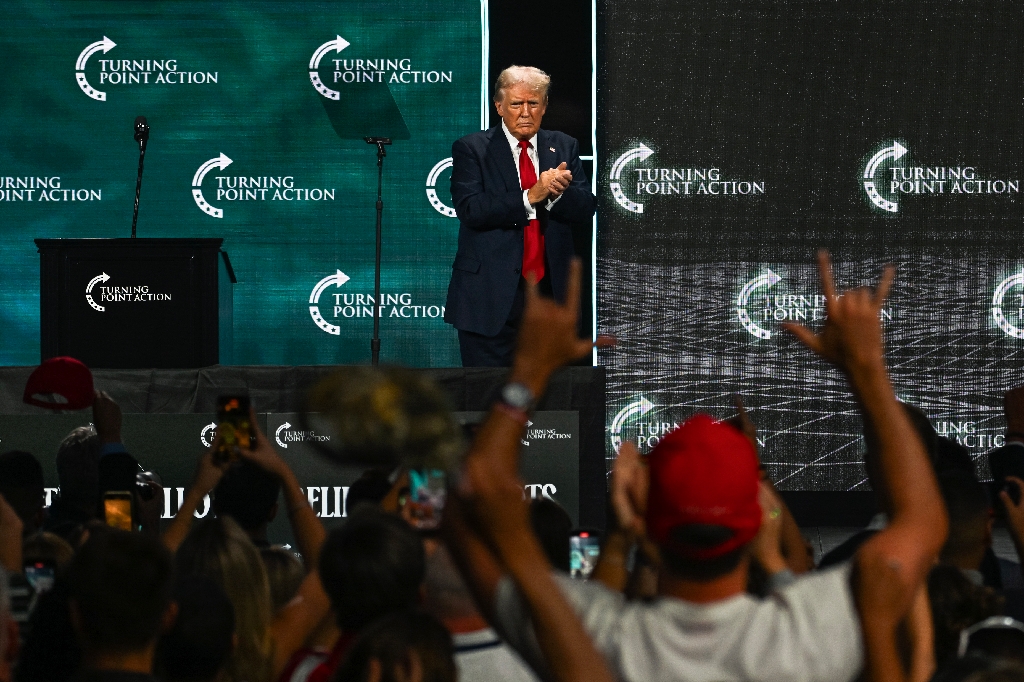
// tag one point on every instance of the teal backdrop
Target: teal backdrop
(232, 80)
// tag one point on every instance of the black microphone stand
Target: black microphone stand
(142, 137)
(375, 342)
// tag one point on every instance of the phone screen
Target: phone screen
(40, 576)
(117, 510)
(234, 426)
(584, 549)
(427, 492)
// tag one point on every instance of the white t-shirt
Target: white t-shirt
(806, 631)
(481, 657)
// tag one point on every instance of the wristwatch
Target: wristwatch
(518, 396)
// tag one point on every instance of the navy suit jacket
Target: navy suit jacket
(489, 202)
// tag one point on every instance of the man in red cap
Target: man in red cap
(698, 502)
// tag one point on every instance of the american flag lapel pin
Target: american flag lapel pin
(552, 149)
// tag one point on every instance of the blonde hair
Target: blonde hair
(220, 550)
(530, 76)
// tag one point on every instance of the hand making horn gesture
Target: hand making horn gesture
(852, 336)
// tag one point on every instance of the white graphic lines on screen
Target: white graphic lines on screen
(88, 290)
(220, 162)
(207, 434)
(767, 280)
(337, 279)
(435, 201)
(338, 44)
(106, 44)
(637, 154)
(896, 151)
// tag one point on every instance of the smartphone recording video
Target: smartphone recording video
(117, 510)
(425, 504)
(584, 549)
(234, 427)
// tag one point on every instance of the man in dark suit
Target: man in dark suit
(516, 190)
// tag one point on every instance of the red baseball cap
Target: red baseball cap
(60, 383)
(705, 472)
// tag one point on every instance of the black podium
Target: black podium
(136, 303)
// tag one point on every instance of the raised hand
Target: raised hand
(852, 337)
(106, 416)
(629, 490)
(547, 335)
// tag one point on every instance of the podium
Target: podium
(136, 303)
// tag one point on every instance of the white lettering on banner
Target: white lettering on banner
(376, 70)
(355, 305)
(119, 294)
(540, 490)
(251, 187)
(322, 495)
(671, 181)
(756, 310)
(134, 71)
(43, 189)
(168, 514)
(332, 506)
(903, 180)
(966, 433)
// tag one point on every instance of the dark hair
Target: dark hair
(120, 584)
(393, 641)
(370, 488)
(919, 420)
(700, 536)
(371, 566)
(199, 644)
(21, 484)
(285, 574)
(956, 603)
(117, 471)
(968, 506)
(553, 527)
(247, 493)
(952, 458)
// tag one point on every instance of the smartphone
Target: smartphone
(117, 509)
(40, 575)
(234, 427)
(584, 549)
(428, 489)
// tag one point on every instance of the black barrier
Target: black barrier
(562, 456)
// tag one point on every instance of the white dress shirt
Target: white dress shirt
(531, 210)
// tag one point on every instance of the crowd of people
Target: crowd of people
(703, 572)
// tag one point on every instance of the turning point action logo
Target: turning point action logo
(435, 201)
(1016, 312)
(756, 308)
(669, 181)
(250, 187)
(349, 305)
(897, 179)
(133, 71)
(131, 294)
(380, 69)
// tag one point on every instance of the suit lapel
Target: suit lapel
(545, 152)
(500, 154)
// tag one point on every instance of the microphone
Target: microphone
(141, 129)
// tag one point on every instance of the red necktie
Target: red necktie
(533, 240)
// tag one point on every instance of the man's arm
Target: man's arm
(576, 204)
(477, 208)
(852, 340)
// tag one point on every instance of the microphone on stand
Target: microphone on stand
(141, 130)
(142, 137)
